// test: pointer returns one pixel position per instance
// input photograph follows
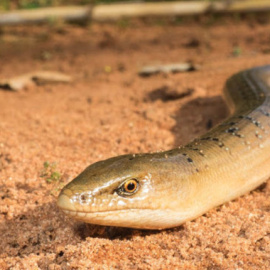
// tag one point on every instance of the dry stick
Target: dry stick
(118, 11)
(71, 13)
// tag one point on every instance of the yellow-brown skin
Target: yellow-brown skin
(165, 189)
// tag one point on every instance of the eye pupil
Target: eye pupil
(131, 186)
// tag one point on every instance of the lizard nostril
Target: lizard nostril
(83, 198)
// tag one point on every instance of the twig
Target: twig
(118, 11)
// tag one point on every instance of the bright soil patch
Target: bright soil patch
(109, 110)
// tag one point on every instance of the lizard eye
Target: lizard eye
(129, 187)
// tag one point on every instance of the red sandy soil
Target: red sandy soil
(109, 110)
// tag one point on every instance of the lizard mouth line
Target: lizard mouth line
(74, 212)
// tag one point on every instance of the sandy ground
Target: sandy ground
(109, 110)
